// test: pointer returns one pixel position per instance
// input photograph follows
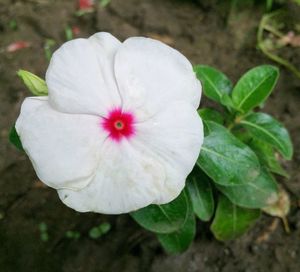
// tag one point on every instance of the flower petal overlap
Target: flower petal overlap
(119, 129)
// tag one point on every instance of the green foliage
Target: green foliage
(179, 240)
(267, 156)
(98, 231)
(254, 87)
(35, 84)
(13, 25)
(68, 33)
(215, 83)
(238, 155)
(265, 128)
(70, 234)
(232, 221)
(211, 115)
(15, 139)
(104, 3)
(48, 48)
(44, 236)
(225, 159)
(201, 194)
(259, 193)
(239, 150)
(174, 223)
(165, 218)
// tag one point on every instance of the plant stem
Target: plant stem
(286, 225)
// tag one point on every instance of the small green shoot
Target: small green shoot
(98, 231)
(48, 48)
(71, 234)
(43, 232)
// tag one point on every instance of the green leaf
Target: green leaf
(15, 139)
(267, 156)
(44, 236)
(232, 221)
(35, 84)
(105, 227)
(258, 193)
(68, 33)
(254, 87)
(211, 115)
(201, 195)
(49, 44)
(225, 159)
(215, 83)
(100, 230)
(180, 240)
(164, 218)
(95, 233)
(70, 234)
(227, 101)
(265, 128)
(43, 227)
(104, 3)
(13, 25)
(242, 135)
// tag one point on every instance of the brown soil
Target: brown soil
(207, 33)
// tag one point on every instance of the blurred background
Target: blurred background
(39, 233)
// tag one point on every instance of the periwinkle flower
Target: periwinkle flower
(119, 129)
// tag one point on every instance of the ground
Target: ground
(207, 32)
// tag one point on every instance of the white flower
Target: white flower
(119, 129)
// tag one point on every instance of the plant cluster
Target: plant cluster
(233, 179)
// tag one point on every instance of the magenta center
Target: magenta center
(119, 124)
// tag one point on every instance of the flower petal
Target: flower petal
(63, 148)
(175, 135)
(128, 178)
(151, 75)
(151, 168)
(80, 76)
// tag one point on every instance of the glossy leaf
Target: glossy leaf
(201, 194)
(164, 218)
(15, 139)
(265, 128)
(215, 83)
(208, 114)
(232, 221)
(254, 87)
(181, 239)
(242, 135)
(267, 157)
(35, 85)
(258, 193)
(227, 101)
(225, 159)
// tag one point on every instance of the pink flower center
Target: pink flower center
(119, 124)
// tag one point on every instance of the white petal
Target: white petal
(63, 148)
(175, 135)
(128, 178)
(80, 76)
(151, 75)
(151, 168)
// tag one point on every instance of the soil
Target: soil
(207, 32)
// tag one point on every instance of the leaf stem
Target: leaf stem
(286, 224)
(263, 25)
